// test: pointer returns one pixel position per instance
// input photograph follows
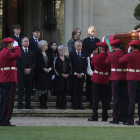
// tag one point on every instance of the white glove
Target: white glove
(129, 49)
(91, 55)
(15, 43)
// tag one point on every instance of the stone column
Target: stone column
(68, 20)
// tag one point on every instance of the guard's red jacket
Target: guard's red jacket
(8, 72)
(98, 61)
(133, 65)
(116, 73)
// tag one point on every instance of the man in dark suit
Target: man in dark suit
(33, 42)
(25, 67)
(33, 45)
(16, 36)
(89, 43)
(78, 60)
(89, 47)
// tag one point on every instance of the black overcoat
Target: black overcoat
(43, 79)
(60, 82)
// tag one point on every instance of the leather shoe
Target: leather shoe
(9, 124)
(124, 122)
(114, 122)
(29, 107)
(128, 123)
(92, 119)
(137, 121)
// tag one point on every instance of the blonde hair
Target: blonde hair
(41, 43)
(74, 32)
(90, 29)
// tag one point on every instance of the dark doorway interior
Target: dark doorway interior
(13, 12)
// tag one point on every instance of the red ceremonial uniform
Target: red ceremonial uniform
(133, 65)
(98, 61)
(8, 70)
(118, 71)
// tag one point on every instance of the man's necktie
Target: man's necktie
(79, 57)
(26, 55)
(36, 41)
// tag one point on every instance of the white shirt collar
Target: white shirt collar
(24, 49)
(91, 37)
(35, 38)
(77, 52)
(17, 35)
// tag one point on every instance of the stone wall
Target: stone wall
(108, 16)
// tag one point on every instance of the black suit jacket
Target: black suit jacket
(18, 40)
(33, 45)
(22, 64)
(88, 46)
(78, 66)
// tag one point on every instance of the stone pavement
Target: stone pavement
(62, 121)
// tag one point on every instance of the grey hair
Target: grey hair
(41, 43)
(61, 47)
(78, 41)
(24, 38)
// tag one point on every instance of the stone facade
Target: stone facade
(108, 16)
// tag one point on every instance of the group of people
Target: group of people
(34, 63)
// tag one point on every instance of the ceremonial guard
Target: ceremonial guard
(8, 79)
(119, 83)
(133, 77)
(100, 81)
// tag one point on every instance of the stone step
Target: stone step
(52, 105)
(59, 113)
(53, 98)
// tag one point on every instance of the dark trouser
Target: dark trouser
(77, 91)
(109, 95)
(132, 88)
(7, 102)
(53, 87)
(61, 102)
(27, 83)
(89, 89)
(99, 89)
(43, 101)
(120, 97)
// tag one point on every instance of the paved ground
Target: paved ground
(60, 121)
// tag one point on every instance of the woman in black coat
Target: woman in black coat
(44, 63)
(62, 68)
(53, 52)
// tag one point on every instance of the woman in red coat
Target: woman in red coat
(8, 79)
